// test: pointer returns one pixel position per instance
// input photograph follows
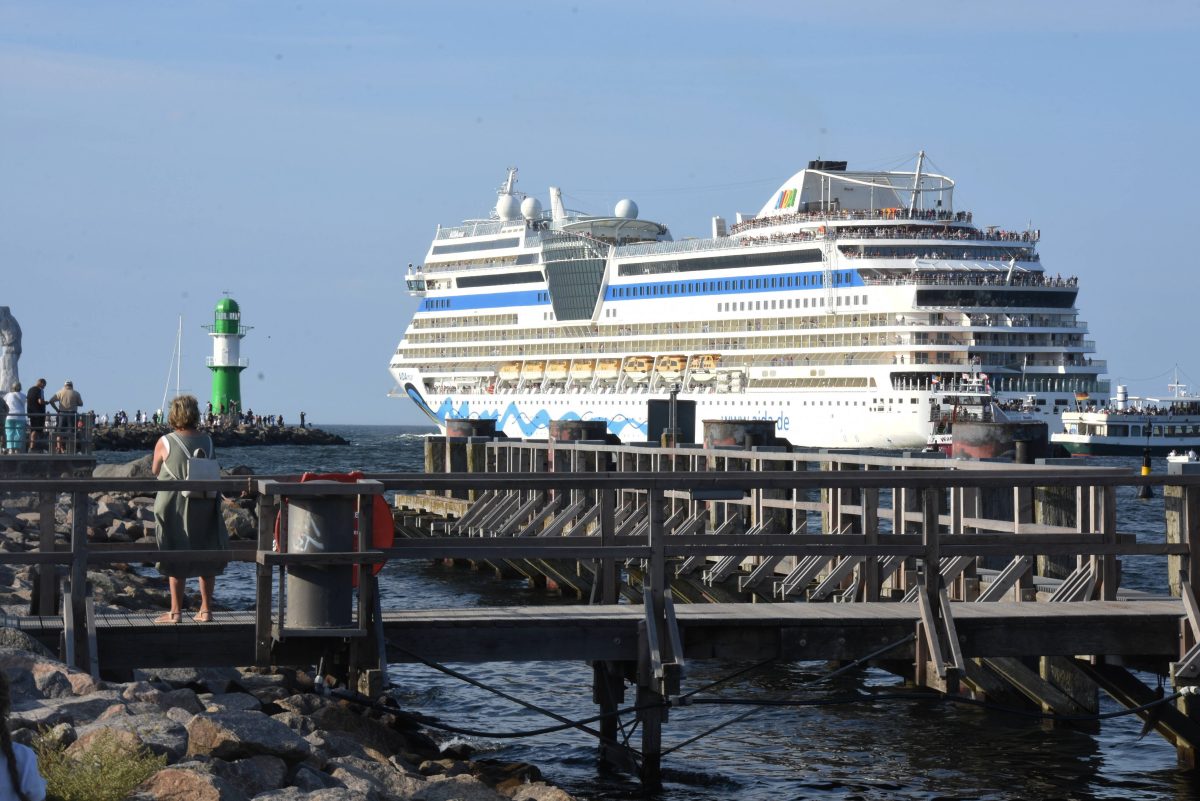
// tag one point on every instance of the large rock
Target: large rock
(73, 710)
(235, 735)
(202, 680)
(355, 773)
(253, 775)
(332, 794)
(156, 731)
(457, 788)
(538, 791)
(19, 640)
(181, 784)
(138, 468)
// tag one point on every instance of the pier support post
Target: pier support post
(79, 613)
(45, 597)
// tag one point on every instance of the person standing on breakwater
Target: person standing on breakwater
(21, 780)
(186, 524)
(35, 402)
(66, 402)
(14, 424)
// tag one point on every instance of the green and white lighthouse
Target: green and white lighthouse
(226, 365)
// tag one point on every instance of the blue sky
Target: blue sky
(298, 155)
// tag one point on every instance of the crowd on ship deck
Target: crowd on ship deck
(911, 253)
(1151, 409)
(975, 279)
(852, 214)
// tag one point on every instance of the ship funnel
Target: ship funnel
(1122, 397)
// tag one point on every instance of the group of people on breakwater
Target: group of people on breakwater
(222, 418)
(29, 427)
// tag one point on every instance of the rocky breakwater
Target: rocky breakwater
(143, 437)
(238, 734)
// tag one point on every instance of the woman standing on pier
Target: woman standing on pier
(186, 523)
(14, 424)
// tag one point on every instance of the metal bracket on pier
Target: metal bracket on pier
(937, 637)
(665, 663)
(1188, 666)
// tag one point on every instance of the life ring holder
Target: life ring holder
(383, 531)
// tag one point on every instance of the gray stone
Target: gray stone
(308, 779)
(73, 710)
(138, 468)
(183, 698)
(157, 731)
(331, 794)
(180, 783)
(253, 775)
(53, 684)
(232, 702)
(457, 788)
(180, 715)
(213, 680)
(539, 791)
(233, 735)
(19, 640)
(392, 782)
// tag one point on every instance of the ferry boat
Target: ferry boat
(839, 310)
(1131, 425)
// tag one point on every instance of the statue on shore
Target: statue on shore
(10, 349)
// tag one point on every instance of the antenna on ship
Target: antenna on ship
(912, 204)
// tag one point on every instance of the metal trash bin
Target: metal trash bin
(320, 596)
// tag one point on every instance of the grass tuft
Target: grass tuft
(108, 772)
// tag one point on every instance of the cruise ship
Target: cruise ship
(844, 310)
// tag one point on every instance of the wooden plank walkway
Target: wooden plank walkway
(1142, 628)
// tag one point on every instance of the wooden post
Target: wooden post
(45, 602)
(649, 693)
(79, 549)
(267, 509)
(607, 574)
(869, 583)
(1182, 507)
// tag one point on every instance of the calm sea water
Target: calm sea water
(884, 750)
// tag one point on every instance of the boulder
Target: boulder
(253, 775)
(306, 779)
(156, 731)
(138, 468)
(127, 741)
(20, 641)
(182, 784)
(538, 791)
(211, 680)
(232, 702)
(457, 788)
(331, 794)
(235, 735)
(74, 709)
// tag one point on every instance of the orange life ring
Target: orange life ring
(383, 531)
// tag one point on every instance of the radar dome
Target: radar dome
(530, 208)
(626, 209)
(507, 207)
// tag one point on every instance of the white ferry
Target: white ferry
(839, 310)
(1130, 425)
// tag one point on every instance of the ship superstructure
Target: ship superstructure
(839, 310)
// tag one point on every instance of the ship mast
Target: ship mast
(912, 204)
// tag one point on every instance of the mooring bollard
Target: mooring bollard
(320, 596)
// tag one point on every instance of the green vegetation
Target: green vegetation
(109, 770)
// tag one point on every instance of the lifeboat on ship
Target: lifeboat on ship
(533, 371)
(556, 370)
(582, 370)
(510, 371)
(704, 366)
(608, 369)
(670, 367)
(637, 368)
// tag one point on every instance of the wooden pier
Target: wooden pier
(997, 581)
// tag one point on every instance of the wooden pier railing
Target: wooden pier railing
(990, 580)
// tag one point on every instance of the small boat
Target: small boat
(608, 369)
(510, 371)
(637, 368)
(582, 370)
(1132, 426)
(533, 371)
(703, 366)
(670, 367)
(556, 370)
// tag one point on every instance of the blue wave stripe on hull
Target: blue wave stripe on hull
(539, 421)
